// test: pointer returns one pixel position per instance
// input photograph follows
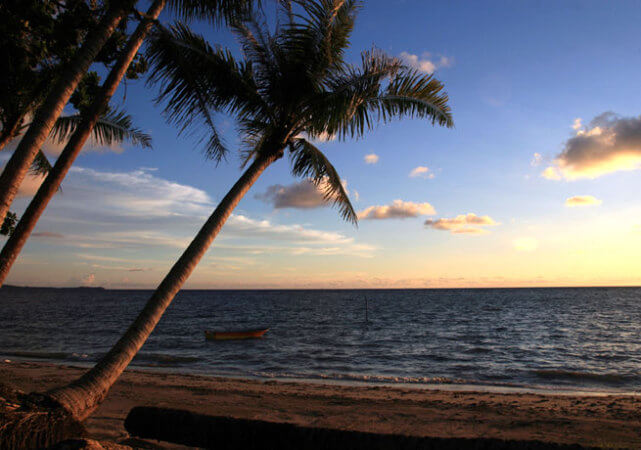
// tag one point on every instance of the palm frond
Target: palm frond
(196, 80)
(413, 94)
(40, 165)
(112, 128)
(381, 90)
(334, 110)
(216, 12)
(117, 126)
(322, 34)
(309, 162)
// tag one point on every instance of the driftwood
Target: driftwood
(222, 433)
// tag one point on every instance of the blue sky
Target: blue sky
(519, 75)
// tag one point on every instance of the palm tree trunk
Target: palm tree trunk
(18, 166)
(84, 395)
(9, 132)
(51, 184)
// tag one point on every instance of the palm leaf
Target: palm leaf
(309, 162)
(112, 128)
(40, 165)
(216, 12)
(178, 56)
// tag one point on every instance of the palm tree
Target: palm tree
(293, 83)
(215, 10)
(46, 115)
(112, 127)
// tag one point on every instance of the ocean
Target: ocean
(584, 339)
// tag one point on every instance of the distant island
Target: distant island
(87, 288)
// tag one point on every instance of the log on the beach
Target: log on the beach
(222, 433)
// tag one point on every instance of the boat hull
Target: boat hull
(232, 335)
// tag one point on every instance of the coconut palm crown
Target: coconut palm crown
(292, 87)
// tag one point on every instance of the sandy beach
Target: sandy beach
(612, 421)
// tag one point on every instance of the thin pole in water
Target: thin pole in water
(366, 315)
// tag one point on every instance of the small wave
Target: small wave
(578, 375)
(387, 379)
(59, 356)
(163, 359)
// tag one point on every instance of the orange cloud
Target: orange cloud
(397, 210)
(609, 144)
(582, 200)
(372, 158)
(462, 224)
(421, 171)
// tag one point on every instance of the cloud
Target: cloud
(421, 171)
(47, 234)
(140, 193)
(610, 143)
(582, 200)
(302, 195)
(536, 160)
(462, 224)
(397, 210)
(372, 158)
(577, 124)
(241, 225)
(89, 279)
(525, 244)
(552, 173)
(134, 223)
(426, 63)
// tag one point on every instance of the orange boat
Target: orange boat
(242, 334)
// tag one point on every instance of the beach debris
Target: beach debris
(200, 430)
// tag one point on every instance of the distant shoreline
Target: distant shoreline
(586, 420)
(101, 288)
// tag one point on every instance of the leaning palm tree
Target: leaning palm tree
(56, 99)
(111, 128)
(293, 84)
(216, 11)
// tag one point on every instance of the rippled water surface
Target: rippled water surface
(572, 338)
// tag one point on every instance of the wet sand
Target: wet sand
(611, 421)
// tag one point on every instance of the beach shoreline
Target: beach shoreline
(610, 420)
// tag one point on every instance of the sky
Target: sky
(536, 185)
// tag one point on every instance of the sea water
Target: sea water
(569, 338)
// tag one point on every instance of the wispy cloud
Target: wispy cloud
(537, 158)
(421, 171)
(582, 200)
(47, 234)
(462, 224)
(138, 211)
(426, 62)
(372, 158)
(609, 144)
(399, 209)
